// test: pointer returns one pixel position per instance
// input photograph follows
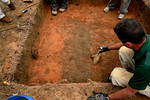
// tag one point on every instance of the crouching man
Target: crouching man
(134, 54)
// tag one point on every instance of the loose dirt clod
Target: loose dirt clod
(34, 53)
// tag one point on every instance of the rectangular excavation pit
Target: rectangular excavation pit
(65, 43)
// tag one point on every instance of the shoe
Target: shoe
(6, 19)
(109, 79)
(106, 9)
(12, 6)
(121, 16)
(54, 12)
(62, 10)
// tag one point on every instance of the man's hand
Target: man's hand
(98, 96)
(102, 49)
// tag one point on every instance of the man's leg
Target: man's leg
(120, 76)
(111, 5)
(124, 8)
(54, 6)
(146, 91)
(126, 58)
(3, 18)
(9, 3)
(64, 5)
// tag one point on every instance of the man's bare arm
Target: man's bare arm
(115, 46)
(124, 93)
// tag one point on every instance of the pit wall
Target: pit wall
(144, 11)
(19, 75)
(21, 70)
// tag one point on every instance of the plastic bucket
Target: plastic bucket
(20, 97)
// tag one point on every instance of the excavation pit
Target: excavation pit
(66, 42)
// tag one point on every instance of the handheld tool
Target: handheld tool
(96, 56)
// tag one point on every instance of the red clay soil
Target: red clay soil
(66, 42)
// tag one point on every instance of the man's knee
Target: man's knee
(120, 76)
(124, 51)
(117, 72)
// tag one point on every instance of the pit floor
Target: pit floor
(67, 41)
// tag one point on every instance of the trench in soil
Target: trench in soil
(67, 41)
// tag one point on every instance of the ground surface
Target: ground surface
(65, 45)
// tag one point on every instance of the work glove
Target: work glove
(98, 96)
(102, 49)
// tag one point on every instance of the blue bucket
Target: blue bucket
(20, 97)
